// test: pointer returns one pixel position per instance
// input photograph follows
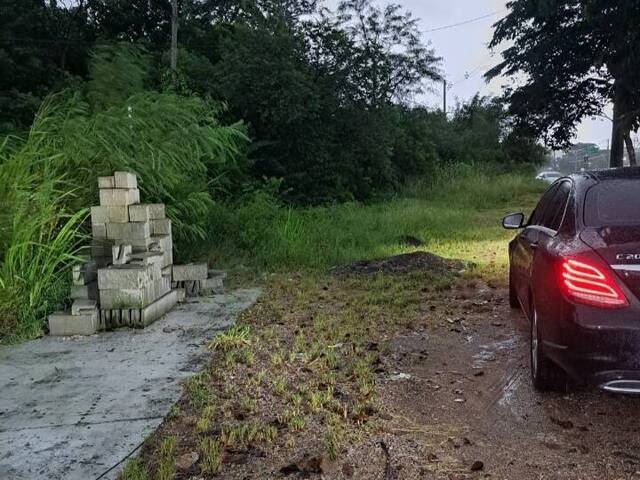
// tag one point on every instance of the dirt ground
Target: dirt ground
(461, 399)
(444, 391)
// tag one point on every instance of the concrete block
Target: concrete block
(192, 288)
(121, 253)
(106, 182)
(110, 213)
(101, 248)
(166, 272)
(63, 324)
(163, 244)
(139, 212)
(99, 230)
(118, 299)
(181, 295)
(161, 226)
(217, 274)
(123, 277)
(125, 180)
(157, 309)
(191, 271)
(83, 307)
(85, 292)
(146, 258)
(119, 196)
(83, 273)
(211, 285)
(138, 233)
(156, 211)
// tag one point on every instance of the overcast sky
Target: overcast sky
(465, 52)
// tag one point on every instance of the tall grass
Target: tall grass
(458, 216)
(39, 238)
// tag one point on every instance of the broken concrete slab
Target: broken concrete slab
(65, 324)
(191, 271)
(76, 409)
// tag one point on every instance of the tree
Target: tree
(572, 58)
(40, 45)
(392, 61)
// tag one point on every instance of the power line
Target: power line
(465, 22)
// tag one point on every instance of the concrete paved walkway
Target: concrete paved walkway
(76, 408)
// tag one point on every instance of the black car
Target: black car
(575, 272)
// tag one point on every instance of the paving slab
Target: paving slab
(76, 408)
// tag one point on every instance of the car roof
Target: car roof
(626, 173)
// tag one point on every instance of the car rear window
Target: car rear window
(613, 202)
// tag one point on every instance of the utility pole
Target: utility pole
(444, 96)
(174, 40)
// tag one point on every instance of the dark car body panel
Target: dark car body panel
(592, 344)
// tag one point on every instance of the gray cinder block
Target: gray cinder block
(125, 180)
(99, 230)
(83, 273)
(64, 324)
(161, 226)
(119, 196)
(191, 271)
(121, 253)
(120, 298)
(85, 292)
(211, 285)
(139, 212)
(106, 182)
(83, 307)
(123, 277)
(181, 295)
(157, 309)
(147, 258)
(135, 233)
(156, 211)
(110, 213)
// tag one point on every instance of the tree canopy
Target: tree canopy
(570, 59)
(328, 98)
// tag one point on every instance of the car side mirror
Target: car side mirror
(513, 221)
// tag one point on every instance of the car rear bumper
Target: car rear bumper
(606, 357)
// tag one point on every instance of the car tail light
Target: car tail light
(585, 282)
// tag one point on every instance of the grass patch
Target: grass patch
(458, 217)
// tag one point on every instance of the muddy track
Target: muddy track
(462, 406)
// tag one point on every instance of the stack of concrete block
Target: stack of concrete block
(84, 318)
(196, 279)
(130, 279)
(135, 280)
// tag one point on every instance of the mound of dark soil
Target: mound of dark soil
(401, 264)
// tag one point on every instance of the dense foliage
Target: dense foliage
(327, 97)
(574, 57)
